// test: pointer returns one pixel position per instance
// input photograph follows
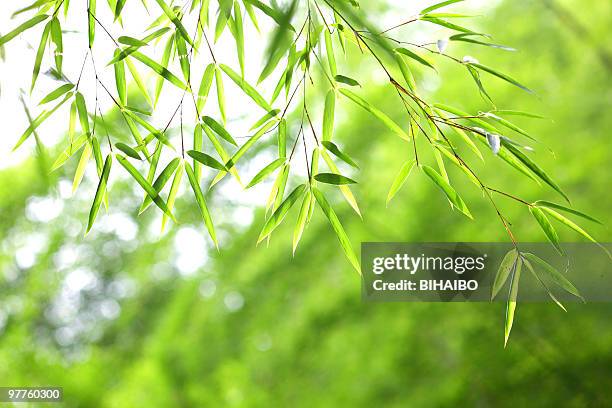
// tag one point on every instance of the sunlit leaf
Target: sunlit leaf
(219, 129)
(247, 89)
(266, 171)
(346, 80)
(100, 192)
(57, 40)
(164, 63)
(506, 266)
(91, 21)
(81, 166)
(195, 185)
(206, 160)
(120, 81)
(128, 150)
(160, 182)
(175, 20)
(301, 220)
(174, 188)
(400, 179)
(498, 74)
(548, 204)
(438, 5)
(338, 229)
(127, 40)
(547, 227)
(205, 85)
(414, 56)
(44, 38)
(329, 49)
(277, 217)
(220, 94)
(335, 150)
(23, 27)
(450, 192)
(511, 304)
(160, 70)
(56, 93)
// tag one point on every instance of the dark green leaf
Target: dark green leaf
(219, 129)
(346, 80)
(331, 147)
(414, 56)
(547, 227)
(335, 179)
(277, 217)
(100, 191)
(450, 192)
(206, 160)
(128, 150)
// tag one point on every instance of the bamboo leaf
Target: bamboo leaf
(82, 111)
(246, 88)
(239, 36)
(547, 227)
(134, 42)
(386, 120)
(175, 20)
(206, 160)
(139, 82)
(195, 185)
(91, 21)
(44, 115)
(164, 63)
(346, 80)
(57, 40)
(181, 50)
(438, 5)
(556, 276)
(80, 170)
(400, 179)
(335, 179)
(23, 27)
(205, 85)
(220, 94)
(345, 190)
(406, 72)
(245, 147)
(120, 81)
(498, 74)
(145, 185)
(174, 188)
(44, 38)
(329, 49)
(100, 192)
(56, 93)
(511, 305)
(328, 115)
(219, 129)
(128, 150)
(450, 192)
(118, 8)
(507, 265)
(277, 217)
(335, 150)
(552, 296)
(447, 24)
(160, 183)
(160, 70)
(338, 229)
(301, 220)
(265, 118)
(415, 57)
(548, 204)
(265, 172)
(128, 51)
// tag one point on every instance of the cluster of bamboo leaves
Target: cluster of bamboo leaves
(308, 38)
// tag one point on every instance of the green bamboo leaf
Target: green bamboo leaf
(147, 187)
(246, 88)
(519, 113)
(415, 57)
(57, 40)
(335, 179)
(338, 229)
(82, 111)
(205, 85)
(219, 129)
(406, 72)
(56, 93)
(476, 76)
(100, 192)
(547, 227)
(206, 160)
(345, 190)
(239, 36)
(252, 140)
(220, 94)
(252, 15)
(329, 49)
(277, 217)
(331, 147)
(154, 161)
(44, 115)
(265, 118)
(68, 152)
(128, 150)
(498, 74)
(120, 81)
(450, 192)
(174, 188)
(160, 70)
(168, 48)
(346, 80)
(152, 130)
(511, 305)
(386, 120)
(400, 179)
(508, 264)
(302, 219)
(139, 82)
(195, 185)
(80, 170)
(282, 138)
(438, 5)
(91, 22)
(572, 225)
(128, 51)
(508, 124)
(537, 170)
(552, 273)
(280, 187)
(198, 145)
(447, 24)
(552, 296)
(223, 155)
(461, 37)
(118, 8)
(548, 204)
(23, 27)
(175, 20)
(266, 171)
(160, 182)
(44, 38)
(131, 41)
(181, 50)
(329, 115)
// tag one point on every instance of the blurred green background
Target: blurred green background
(111, 319)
